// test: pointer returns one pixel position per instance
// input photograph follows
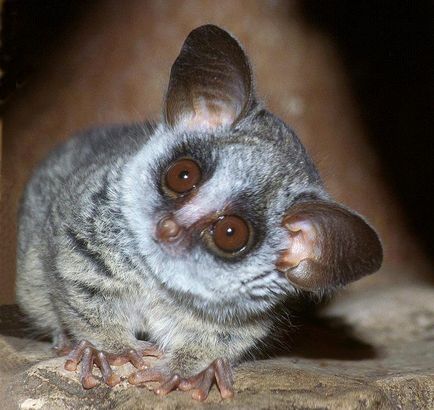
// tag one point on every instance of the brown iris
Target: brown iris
(183, 175)
(231, 233)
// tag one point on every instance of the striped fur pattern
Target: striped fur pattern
(89, 265)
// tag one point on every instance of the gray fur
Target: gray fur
(88, 263)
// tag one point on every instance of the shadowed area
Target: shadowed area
(310, 336)
(319, 337)
(388, 51)
(373, 348)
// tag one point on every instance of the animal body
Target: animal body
(181, 238)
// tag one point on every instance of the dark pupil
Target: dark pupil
(183, 174)
(230, 231)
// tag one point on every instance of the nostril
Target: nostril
(168, 230)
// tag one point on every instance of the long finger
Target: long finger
(224, 378)
(88, 381)
(76, 355)
(110, 378)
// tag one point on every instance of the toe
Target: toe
(169, 385)
(224, 378)
(75, 356)
(110, 378)
(149, 349)
(136, 360)
(144, 376)
(87, 379)
(199, 395)
(191, 382)
(202, 389)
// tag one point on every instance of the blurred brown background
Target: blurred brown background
(354, 80)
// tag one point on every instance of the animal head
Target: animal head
(225, 203)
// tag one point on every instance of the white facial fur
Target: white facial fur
(250, 285)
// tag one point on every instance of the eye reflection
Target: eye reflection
(231, 233)
(183, 176)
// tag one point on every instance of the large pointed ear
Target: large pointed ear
(210, 82)
(329, 246)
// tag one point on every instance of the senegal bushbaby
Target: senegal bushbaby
(189, 232)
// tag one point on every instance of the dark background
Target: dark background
(388, 50)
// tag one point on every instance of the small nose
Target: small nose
(168, 230)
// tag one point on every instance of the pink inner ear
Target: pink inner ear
(328, 246)
(302, 243)
(208, 115)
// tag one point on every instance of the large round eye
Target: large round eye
(183, 175)
(231, 233)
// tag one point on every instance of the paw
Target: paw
(218, 372)
(86, 354)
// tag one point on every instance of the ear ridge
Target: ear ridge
(211, 81)
(344, 247)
